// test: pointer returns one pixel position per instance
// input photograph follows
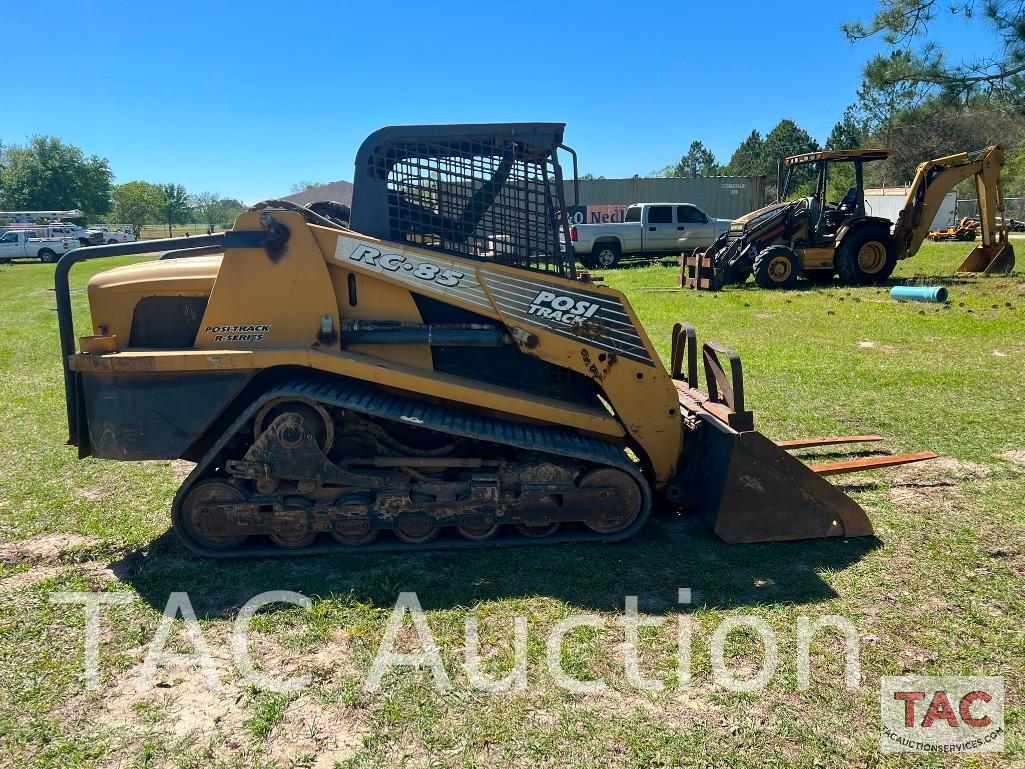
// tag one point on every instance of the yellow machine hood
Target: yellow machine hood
(190, 274)
(113, 294)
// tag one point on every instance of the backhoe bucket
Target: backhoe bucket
(995, 259)
(746, 487)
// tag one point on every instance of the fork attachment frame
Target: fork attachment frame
(747, 487)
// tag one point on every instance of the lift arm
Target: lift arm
(933, 180)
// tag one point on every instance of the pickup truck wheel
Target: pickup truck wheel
(776, 267)
(605, 255)
(46, 256)
(112, 242)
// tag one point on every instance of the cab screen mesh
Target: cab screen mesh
(493, 201)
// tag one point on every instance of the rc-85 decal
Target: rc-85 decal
(402, 265)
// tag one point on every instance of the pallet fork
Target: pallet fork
(745, 486)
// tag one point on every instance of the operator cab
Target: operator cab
(821, 218)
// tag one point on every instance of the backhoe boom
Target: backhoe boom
(933, 180)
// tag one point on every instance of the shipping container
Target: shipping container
(725, 197)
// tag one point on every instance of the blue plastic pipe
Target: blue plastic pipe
(919, 293)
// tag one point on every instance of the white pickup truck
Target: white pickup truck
(649, 229)
(100, 234)
(23, 244)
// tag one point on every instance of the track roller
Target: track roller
(197, 523)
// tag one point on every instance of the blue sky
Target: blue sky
(247, 99)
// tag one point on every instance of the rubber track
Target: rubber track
(357, 396)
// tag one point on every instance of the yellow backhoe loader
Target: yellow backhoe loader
(819, 240)
(431, 373)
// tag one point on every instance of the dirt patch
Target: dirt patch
(98, 574)
(330, 733)
(25, 579)
(933, 481)
(868, 344)
(43, 548)
(942, 470)
(181, 706)
(92, 494)
(180, 469)
(1014, 457)
(179, 703)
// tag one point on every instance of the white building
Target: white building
(888, 201)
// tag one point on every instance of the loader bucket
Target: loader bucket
(745, 486)
(995, 259)
(747, 489)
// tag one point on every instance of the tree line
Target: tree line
(48, 174)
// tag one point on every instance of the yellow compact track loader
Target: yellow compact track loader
(432, 373)
(817, 239)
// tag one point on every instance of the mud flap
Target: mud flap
(995, 259)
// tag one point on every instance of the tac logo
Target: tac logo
(942, 714)
(562, 309)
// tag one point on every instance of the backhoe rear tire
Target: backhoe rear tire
(867, 256)
(776, 267)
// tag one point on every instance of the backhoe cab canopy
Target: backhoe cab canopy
(865, 155)
(791, 165)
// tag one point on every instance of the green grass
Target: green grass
(940, 592)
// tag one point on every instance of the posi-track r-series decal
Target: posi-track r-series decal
(247, 332)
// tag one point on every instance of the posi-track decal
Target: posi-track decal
(253, 332)
(596, 319)
(561, 308)
(434, 275)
